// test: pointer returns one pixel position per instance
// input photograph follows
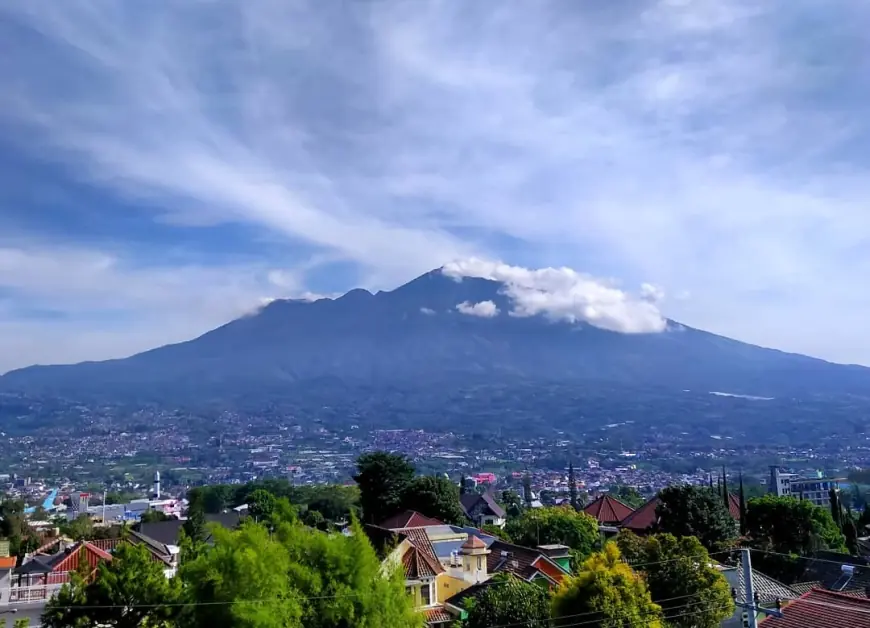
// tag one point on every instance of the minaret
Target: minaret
(157, 485)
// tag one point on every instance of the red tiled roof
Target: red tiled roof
(438, 616)
(643, 518)
(409, 519)
(822, 609)
(734, 505)
(608, 510)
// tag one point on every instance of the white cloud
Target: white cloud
(484, 309)
(564, 294)
(427, 311)
(70, 304)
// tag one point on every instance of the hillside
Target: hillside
(417, 335)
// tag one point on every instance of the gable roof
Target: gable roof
(768, 589)
(643, 518)
(417, 564)
(822, 608)
(420, 540)
(409, 519)
(67, 560)
(608, 510)
(470, 500)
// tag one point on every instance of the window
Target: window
(426, 594)
(479, 566)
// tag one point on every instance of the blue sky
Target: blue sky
(167, 166)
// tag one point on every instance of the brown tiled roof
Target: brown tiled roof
(417, 565)
(822, 609)
(643, 518)
(409, 519)
(420, 540)
(438, 616)
(608, 510)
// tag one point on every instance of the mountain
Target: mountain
(416, 334)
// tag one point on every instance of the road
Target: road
(32, 610)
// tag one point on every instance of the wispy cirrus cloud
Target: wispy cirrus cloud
(712, 147)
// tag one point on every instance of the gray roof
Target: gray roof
(768, 589)
(470, 500)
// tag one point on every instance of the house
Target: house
(530, 564)
(608, 511)
(818, 608)
(483, 510)
(41, 575)
(427, 581)
(440, 561)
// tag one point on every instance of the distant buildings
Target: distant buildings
(816, 490)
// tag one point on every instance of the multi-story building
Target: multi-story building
(816, 490)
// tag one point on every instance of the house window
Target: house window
(426, 594)
(479, 566)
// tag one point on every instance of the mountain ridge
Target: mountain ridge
(419, 334)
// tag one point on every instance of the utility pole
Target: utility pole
(750, 590)
(750, 602)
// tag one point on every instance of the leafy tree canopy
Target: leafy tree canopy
(696, 511)
(129, 591)
(678, 571)
(555, 525)
(383, 481)
(435, 497)
(791, 526)
(607, 592)
(510, 601)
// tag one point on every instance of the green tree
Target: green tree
(313, 519)
(607, 594)
(194, 525)
(344, 582)
(129, 591)
(527, 490)
(790, 526)
(226, 583)
(629, 496)
(696, 511)
(864, 520)
(850, 531)
(509, 601)
(261, 505)
(383, 480)
(80, 528)
(512, 503)
(555, 525)
(496, 532)
(22, 622)
(677, 570)
(153, 516)
(436, 497)
(742, 507)
(836, 510)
